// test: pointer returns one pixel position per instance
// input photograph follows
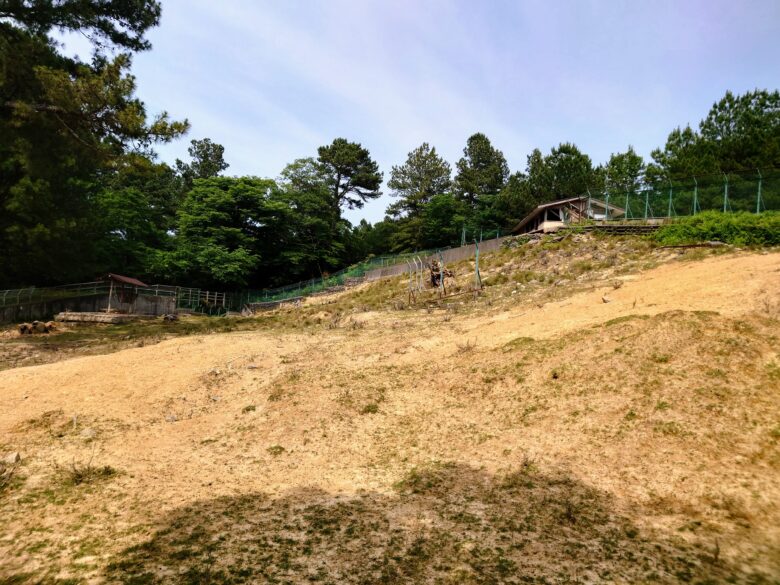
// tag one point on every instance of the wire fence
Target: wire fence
(357, 271)
(187, 298)
(326, 281)
(754, 192)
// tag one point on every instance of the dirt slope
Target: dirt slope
(629, 440)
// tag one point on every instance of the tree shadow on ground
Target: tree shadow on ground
(446, 523)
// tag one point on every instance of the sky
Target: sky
(273, 80)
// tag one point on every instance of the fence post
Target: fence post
(477, 277)
(671, 189)
(758, 197)
(590, 209)
(647, 202)
(627, 212)
(606, 206)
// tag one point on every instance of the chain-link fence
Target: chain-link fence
(40, 302)
(754, 191)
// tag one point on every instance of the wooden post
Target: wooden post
(110, 292)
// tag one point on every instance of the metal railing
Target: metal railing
(194, 299)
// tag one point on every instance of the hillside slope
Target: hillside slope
(626, 431)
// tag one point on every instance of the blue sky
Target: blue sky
(273, 80)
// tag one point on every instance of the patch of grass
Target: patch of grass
(520, 342)
(495, 279)
(773, 370)
(370, 408)
(624, 319)
(100, 338)
(425, 479)
(249, 408)
(526, 276)
(669, 428)
(582, 266)
(276, 394)
(276, 450)
(78, 474)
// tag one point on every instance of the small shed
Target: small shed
(124, 287)
(550, 217)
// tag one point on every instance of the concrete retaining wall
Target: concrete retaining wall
(45, 310)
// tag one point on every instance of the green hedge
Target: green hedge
(741, 228)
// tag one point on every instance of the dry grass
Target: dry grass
(546, 437)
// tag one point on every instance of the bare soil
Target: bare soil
(597, 425)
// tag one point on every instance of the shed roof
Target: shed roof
(562, 203)
(125, 280)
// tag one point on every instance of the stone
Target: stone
(87, 433)
(39, 327)
(12, 458)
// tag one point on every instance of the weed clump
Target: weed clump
(370, 408)
(78, 473)
(276, 450)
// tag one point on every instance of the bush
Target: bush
(741, 228)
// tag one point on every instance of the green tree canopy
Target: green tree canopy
(64, 125)
(353, 176)
(318, 235)
(220, 225)
(569, 172)
(208, 160)
(740, 133)
(122, 23)
(624, 172)
(423, 175)
(482, 170)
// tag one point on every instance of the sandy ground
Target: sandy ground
(351, 410)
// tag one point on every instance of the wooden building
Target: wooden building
(552, 216)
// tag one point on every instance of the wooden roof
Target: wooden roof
(125, 280)
(558, 203)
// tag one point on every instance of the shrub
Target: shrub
(87, 473)
(741, 228)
